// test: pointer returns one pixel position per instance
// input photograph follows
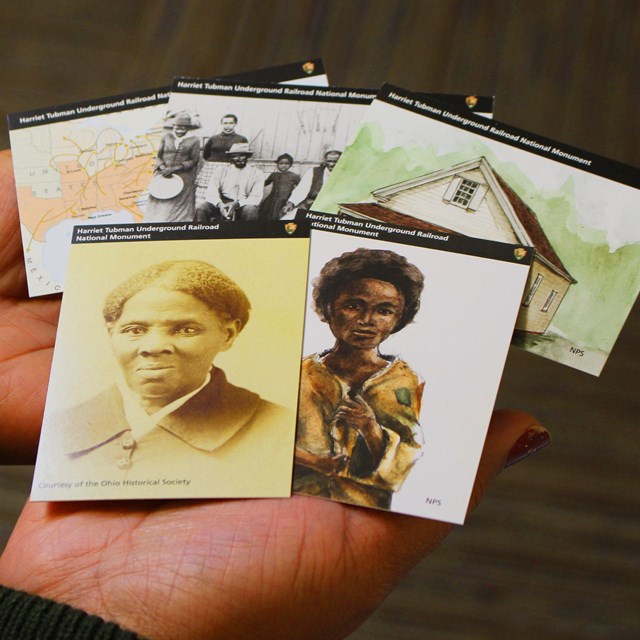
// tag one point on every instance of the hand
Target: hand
(168, 171)
(288, 207)
(27, 334)
(356, 414)
(292, 568)
(229, 208)
(301, 567)
(326, 465)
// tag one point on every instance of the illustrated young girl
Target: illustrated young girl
(358, 432)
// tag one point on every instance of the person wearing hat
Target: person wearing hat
(178, 155)
(235, 189)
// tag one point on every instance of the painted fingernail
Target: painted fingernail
(532, 440)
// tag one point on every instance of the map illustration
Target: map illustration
(92, 170)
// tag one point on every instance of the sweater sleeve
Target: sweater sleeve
(28, 617)
(206, 151)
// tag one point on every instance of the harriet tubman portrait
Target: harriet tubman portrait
(171, 409)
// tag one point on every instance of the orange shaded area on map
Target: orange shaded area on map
(116, 187)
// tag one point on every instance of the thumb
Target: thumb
(512, 436)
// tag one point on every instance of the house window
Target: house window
(464, 193)
(532, 291)
(549, 300)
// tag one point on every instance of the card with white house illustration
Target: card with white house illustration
(418, 162)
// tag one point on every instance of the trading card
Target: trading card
(421, 163)
(176, 366)
(250, 151)
(91, 163)
(406, 336)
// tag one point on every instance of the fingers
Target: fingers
(400, 541)
(12, 274)
(355, 404)
(334, 464)
(512, 436)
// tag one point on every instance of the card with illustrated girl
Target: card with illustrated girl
(406, 334)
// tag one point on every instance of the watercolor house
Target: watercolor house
(472, 199)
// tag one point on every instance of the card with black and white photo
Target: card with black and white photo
(266, 148)
(91, 163)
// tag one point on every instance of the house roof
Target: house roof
(526, 218)
(385, 214)
(531, 225)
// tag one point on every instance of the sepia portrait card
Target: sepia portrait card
(91, 163)
(176, 365)
(406, 335)
(424, 164)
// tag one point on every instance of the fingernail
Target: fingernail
(533, 439)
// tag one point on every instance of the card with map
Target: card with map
(91, 162)
(175, 372)
(420, 163)
(406, 335)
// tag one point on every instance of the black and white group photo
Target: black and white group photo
(226, 156)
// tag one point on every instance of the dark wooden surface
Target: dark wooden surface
(553, 550)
